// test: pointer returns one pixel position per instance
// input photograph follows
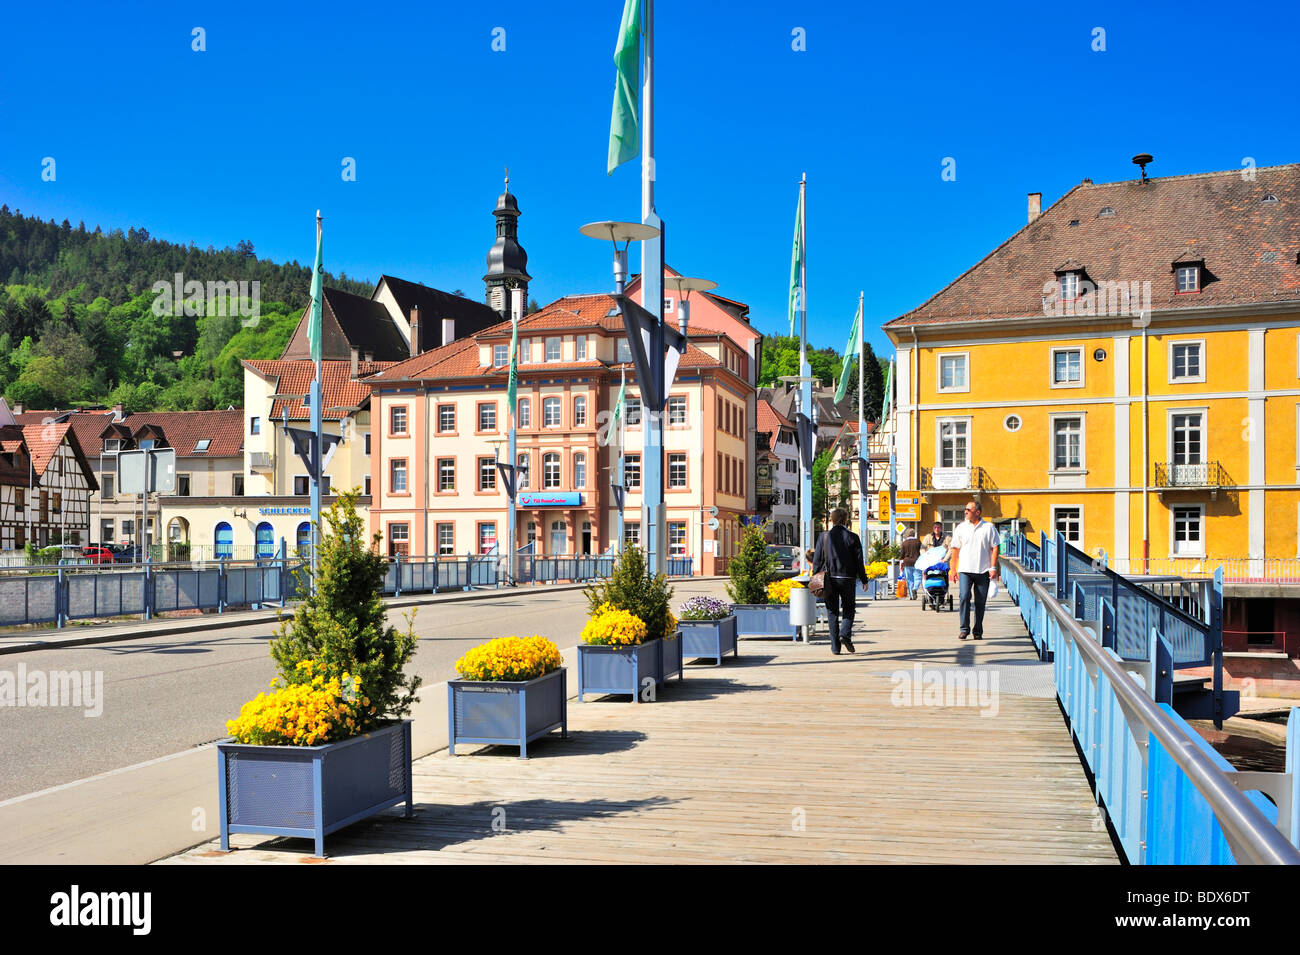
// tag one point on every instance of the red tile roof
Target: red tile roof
(1249, 246)
(338, 388)
(460, 359)
(181, 430)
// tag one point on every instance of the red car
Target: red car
(97, 555)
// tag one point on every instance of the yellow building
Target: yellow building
(1124, 369)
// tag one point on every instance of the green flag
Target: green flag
(512, 387)
(889, 393)
(314, 319)
(796, 263)
(624, 138)
(854, 345)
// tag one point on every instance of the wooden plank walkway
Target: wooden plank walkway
(787, 755)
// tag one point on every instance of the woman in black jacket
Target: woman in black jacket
(839, 556)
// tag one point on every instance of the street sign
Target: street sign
(900, 527)
(907, 507)
(713, 512)
(714, 523)
(147, 472)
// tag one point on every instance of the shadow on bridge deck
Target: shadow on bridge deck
(920, 748)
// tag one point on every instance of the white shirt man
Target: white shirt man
(974, 556)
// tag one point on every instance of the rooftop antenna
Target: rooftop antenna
(1141, 159)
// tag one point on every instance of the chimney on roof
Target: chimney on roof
(448, 331)
(356, 354)
(1035, 205)
(119, 412)
(415, 331)
(18, 407)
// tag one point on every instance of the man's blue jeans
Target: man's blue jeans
(976, 585)
(913, 577)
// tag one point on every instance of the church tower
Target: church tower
(507, 262)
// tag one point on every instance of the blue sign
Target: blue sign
(550, 499)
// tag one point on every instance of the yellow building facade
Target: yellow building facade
(1160, 427)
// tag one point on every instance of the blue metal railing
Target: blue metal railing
(1169, 797)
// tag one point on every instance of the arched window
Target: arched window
(579, 470)
(550, 471)
(525, 413)
(304, 538)
(580, 410)
(265, 540)
(223, 541)
(551, 412)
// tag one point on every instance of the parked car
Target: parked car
(785, 555)
(128, 555)
(97, 554)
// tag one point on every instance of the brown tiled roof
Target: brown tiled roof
(1249, 246)
(769, 419)
(338, 388)
(43, 439)
(181, 430)
(460, 359)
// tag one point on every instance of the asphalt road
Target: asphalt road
(164, 695)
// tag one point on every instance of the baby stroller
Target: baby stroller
(934, 587)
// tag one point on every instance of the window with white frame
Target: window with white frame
(397, 419)
(397, 470)
(1067, 366)
(487, 537)
(950, 517)
(579, 410)
(952, 373)
(676, 538)
(551, 412)
(446, 418)
(1188, 531)
(579, 470)
(1189, 279)
(487, 417)
(632, 471)
(1187, 437)
(500, 355)
(1186, 361)
(580, 347)
(446, 474)
(525, 413)
(521, 470)
(632, 534)
(954, 443)
(1069, 286)
(633, 410)
(1067, 443)
(677, 410)
(446, 540)
(399, 539)
(487, 474)
(553, 349)
(677, 470)
(1069, 521)
(550, 471)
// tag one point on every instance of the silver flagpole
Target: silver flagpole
(862, 422)
(805, 372)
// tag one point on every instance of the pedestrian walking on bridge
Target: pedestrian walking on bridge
(975, 557)
(839, 556)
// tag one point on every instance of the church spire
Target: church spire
(507, 262)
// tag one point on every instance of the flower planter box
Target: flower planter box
(764, 620)
(622, 670)
(709, 638)
(506, 713)
(671, 657)
(311, 791)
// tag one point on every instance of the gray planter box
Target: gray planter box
(671, 658)
(709, 638)
(507, 713)
(764, 620)
(620, 670)
(311, 791)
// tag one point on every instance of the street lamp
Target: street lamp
(616, 232)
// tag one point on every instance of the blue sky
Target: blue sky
(247, 139)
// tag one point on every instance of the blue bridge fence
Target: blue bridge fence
(62, 594)
(1114, 645)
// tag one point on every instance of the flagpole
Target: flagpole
(805, 372)
(317, 281)
(862, 422)
(622, 434)
(516, 303)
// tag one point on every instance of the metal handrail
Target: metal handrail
(1248, 831)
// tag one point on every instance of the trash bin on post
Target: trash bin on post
(803, 607)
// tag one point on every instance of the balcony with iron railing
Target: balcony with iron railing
(972, 479)
(261, 461)
(1200, 476)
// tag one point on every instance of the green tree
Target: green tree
(819, 508)
(751, 569)
(631, 587)
(342, 625)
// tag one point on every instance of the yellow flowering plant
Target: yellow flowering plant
(610, 626)
(877, 568)
(319, 709)
(778, 592)
(510, 658)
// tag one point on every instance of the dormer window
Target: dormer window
(112, 445)
(1106, 213)
(1189, 279)
(1269, 198)
(202, 445)
(1069, 286)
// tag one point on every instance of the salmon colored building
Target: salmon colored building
(440, 423)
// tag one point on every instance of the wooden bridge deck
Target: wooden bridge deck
(788, 754)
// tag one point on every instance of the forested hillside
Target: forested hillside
(78, 322)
